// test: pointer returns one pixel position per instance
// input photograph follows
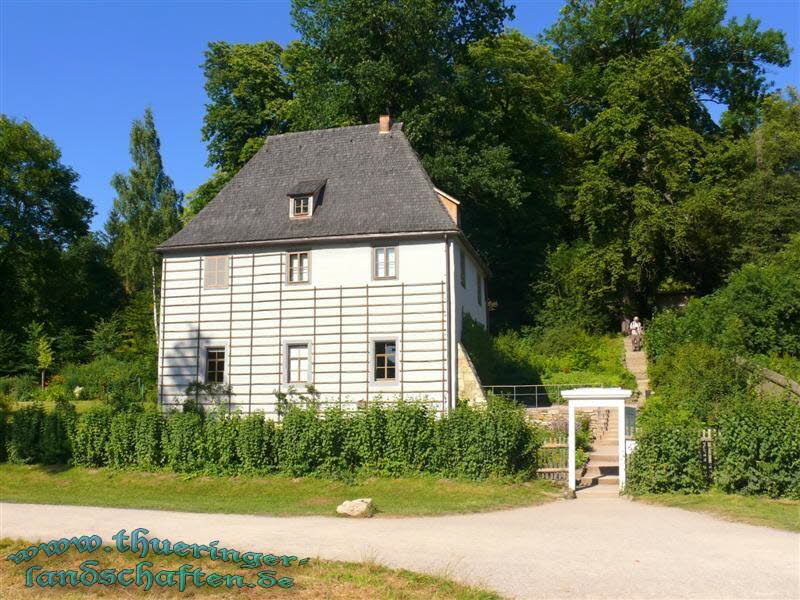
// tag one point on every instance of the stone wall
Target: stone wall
(557, 418)
(469, 384)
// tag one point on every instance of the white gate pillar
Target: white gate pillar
(596, 398)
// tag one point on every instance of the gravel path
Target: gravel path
(585, 548)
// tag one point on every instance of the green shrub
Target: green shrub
(24, 439)
(118, 383)
(367, 439)
(409, 438)
(148, 433)
(256, 444)
(21, 388)
(758, 447)
(220, 434)
(122, 440)
(58, 429)
(300, 451)
(667, 456)
(92, 433)
(699, 378)
(756, 313)
(183, 442)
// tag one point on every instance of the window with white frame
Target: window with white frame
(299, 270)
(385, 360)
(385, 263)
(215, 365)
(463, 269)
(297, 363)
(215, 272)
(479, 286)
(301, 207)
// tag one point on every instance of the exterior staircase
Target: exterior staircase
(636, 363)
(601, 475)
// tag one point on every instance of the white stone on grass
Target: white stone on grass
(361, 507)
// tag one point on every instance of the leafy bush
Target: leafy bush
(667, 456)
(118, 383)
(256, 444)
(24, 440)
(183, 442)
(92, 433)
(148, 434)
(758, 447)
(699, 378)
(400, 439)
(756, 313)
(58, 429)
(220, 434)
(122, 440)
(22, 388)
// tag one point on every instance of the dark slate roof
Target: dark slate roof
(374, 184)
(307, 188)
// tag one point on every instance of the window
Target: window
(385, 361)
(298, 267)
(463, 256)
(479, 285)
(215, 365)
(297, 363)
(301, 207)
(385, 263)
(216, 272)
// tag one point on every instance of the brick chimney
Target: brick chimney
(385, 124)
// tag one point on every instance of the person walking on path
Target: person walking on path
(636, 333)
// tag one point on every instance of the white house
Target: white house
(330, 259)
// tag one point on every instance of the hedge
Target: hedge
(756, 448)
(399, 439)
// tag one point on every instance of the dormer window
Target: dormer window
(301, 207)
(304, 197)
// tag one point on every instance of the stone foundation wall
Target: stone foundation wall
(557, 418)
(469, 384)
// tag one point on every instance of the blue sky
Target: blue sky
(81, 71)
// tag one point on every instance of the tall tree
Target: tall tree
(44, 245)
(391, 56)
(642, 73)
(146, 210)
(726, 61)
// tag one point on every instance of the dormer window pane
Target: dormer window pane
(301, 206)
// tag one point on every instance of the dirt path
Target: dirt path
(591, 548)
(636, 362)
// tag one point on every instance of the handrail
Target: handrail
(519, 393)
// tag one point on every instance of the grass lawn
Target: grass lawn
(271, 495)
(81, 406)
(316, 579)
(756, 510)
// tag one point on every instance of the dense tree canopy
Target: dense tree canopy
(52, 270)
(593, 150)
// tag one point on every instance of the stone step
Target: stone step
(600, 471)
(605, 464)
(604, 457)
(599, 480)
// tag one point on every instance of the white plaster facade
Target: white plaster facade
(339, 313)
